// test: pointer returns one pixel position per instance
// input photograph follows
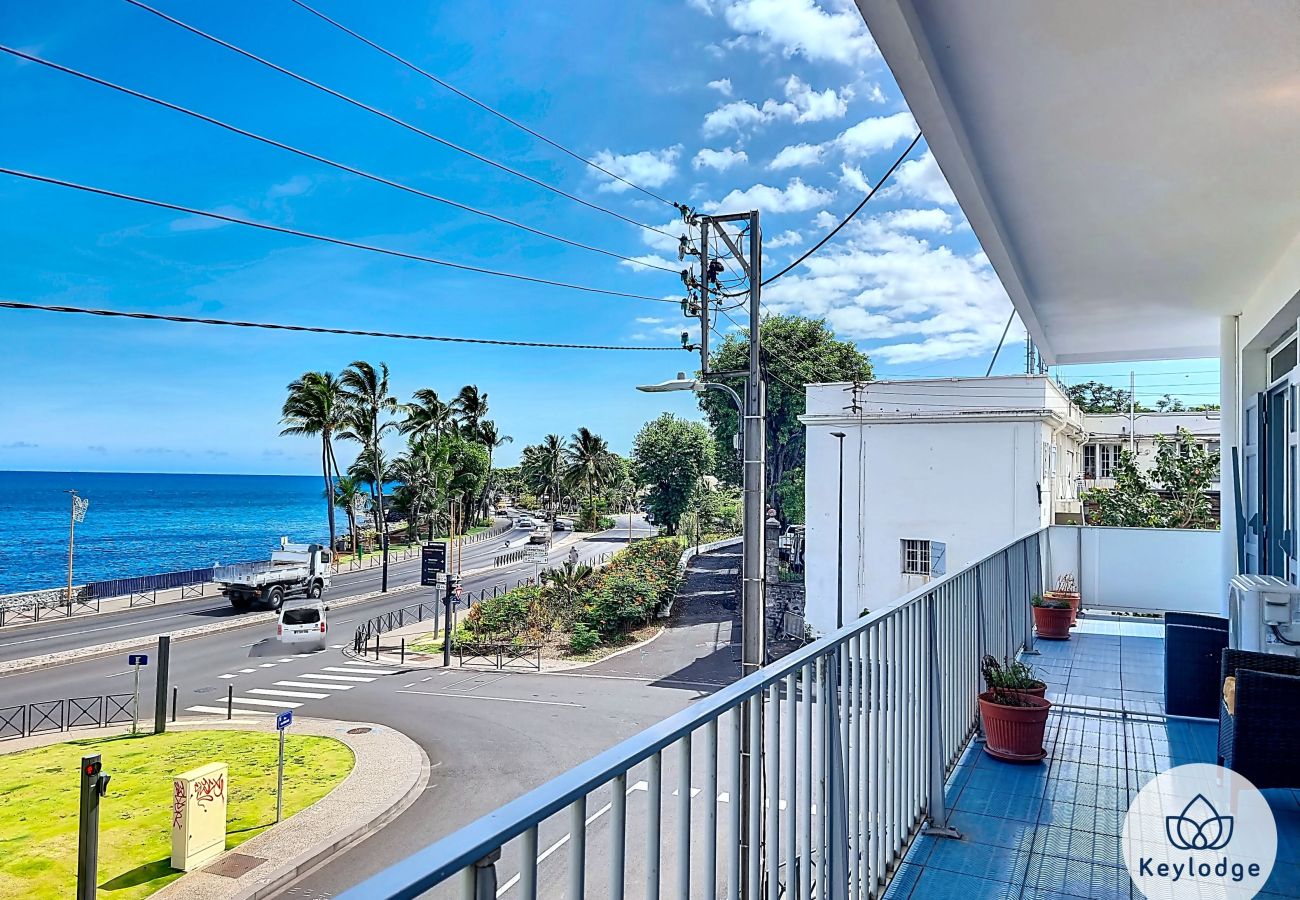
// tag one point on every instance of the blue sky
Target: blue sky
(724, 104)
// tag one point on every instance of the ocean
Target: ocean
(141, 524)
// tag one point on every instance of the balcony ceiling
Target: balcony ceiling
(1132, 170)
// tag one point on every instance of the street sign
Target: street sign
(137, 659)
(537, 556)
(433, 560)
(284, 720)
(456, 592)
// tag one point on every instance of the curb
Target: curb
(324, 853)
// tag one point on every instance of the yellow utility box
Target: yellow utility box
(199, 815)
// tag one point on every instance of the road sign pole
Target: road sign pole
(282, 721)
(160, 690)
(93, 786)
(135, 703)
(279, 783)
(446, 625)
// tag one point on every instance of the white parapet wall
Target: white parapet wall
(1140, 569)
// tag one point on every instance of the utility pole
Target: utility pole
(704, 297)
(1132, 398)
(77, 514)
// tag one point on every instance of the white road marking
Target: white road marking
(485, 697)
(358, 670)
(115, 674)
(545, 854)
(317, 685)
(222, 710)
(266, 692)
(267, 666)
(277, 703)
(246, 671)
(302, 656)
(286, 659)
(412, 684)
(334, 677)
(337, 646)
(228, 676)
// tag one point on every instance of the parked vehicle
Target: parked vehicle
(304, 622)
(541, 534)
(293, 569)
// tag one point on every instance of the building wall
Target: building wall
(1113, 428)
(921, 465)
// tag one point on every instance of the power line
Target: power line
(159, 317)
(306, 154)
(479, 103)
(391, 118)
(355, 245)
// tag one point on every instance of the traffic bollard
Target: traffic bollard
(174, 692)
(230, 701)
(403, 651)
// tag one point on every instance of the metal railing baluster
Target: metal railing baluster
(654, 820)
(772, 825)
(684, 819)
(578, 848)
(709, 863)
(618, 837)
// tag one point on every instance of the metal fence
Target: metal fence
(808, 778)
(14, 611)
(146, 584)
(62, 715)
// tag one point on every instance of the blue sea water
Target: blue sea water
(140, 524)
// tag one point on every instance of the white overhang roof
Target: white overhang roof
(1132, 170)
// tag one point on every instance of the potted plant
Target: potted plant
(1011, 675)
(1067, 590)
(1014, 721)
(1052, 618)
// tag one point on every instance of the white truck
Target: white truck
(293, 569)
(541, 534)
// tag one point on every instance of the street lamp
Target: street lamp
(839, 543)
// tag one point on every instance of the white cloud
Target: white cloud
(203, 223)
(737, 115)
(722, 86)
(935, 220)
(795, 197)
(719, 160)
(912, 300)
(649, 168)
(784, 239)
(875, 94)
(921, 179)
(798, 27)
(796, 155)
(814, 106)
(645, 261)
(295, 186)
(879, 133)
(650, 320)
(852, 178)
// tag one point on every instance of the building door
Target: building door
(1253, 423)
(1276, 484)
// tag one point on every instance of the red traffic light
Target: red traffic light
(92, 769)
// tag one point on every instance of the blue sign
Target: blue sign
(284, 720)
(137, 659)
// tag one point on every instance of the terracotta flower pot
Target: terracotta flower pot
(1014, 733)
(1038, 690)
(1071, 597)
(1051, 623)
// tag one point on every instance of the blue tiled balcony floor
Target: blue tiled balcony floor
(1052, 831)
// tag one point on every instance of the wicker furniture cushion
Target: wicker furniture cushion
(1230, 694)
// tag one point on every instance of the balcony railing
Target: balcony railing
(806, 779)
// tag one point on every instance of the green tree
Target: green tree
(566, 583)
(796, 351)
(1095, 397)
(424, 469)
(316, 406)
(469, 470)
(471, 406)
(426, 414)
(492, 440)
(590, 464)
(347, 491)
(370, 410)
(1175, 496)
(670, 456)
(543, 466)
(791, 496)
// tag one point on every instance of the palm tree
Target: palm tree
(568, 581)
(317, 406)
(426, 414)
(491, 439)
(369, 407)
(589, 463)
(471, 407)
(347, 491)
(423, 467)
(543, 465)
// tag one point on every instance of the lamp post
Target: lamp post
(839, 541)
(79, 505)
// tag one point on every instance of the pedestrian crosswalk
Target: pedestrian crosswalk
(291, 692)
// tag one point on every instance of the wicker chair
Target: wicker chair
(1193, 646)
(1260, 737)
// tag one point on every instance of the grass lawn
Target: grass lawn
(39, 792)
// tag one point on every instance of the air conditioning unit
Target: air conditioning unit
(1265, 614)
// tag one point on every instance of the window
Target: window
(916, 557)
(304, 616)
(1099, 460)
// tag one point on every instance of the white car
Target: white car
(304, 623)
(525, 522)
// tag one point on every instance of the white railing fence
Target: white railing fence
(807, 779)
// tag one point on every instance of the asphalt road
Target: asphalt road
(490, 736)
(53, 635)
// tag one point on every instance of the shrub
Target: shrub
(583, 640)
(509, 614)
(605, 523)
(621, 602)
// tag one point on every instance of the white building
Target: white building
(934, 470)
(1109, 433)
